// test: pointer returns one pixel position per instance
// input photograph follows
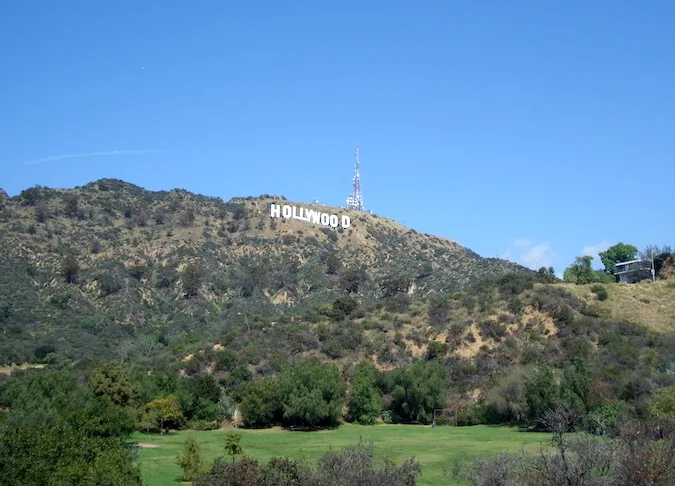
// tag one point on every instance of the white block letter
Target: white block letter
(275, 210)
(346, 222)
(324, 219)
(334, 221)
(287, 211)
(314, 216)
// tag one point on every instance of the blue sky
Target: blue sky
(533, 130)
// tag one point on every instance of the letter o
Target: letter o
(334, 221)
(325, 219)
(287, 211)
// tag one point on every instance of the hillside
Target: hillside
(652, 305)
(189, 291)
(87, 271)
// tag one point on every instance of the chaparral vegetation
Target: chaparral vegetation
(132, 318)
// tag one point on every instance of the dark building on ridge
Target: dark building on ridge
(633, 271)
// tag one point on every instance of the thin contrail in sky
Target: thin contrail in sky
(93, 154)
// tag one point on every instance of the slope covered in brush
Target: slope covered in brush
(95, 270)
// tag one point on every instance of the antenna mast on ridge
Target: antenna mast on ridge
(355, 201)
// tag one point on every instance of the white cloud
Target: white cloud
(537, 256)
(522, 243)
(53, 158)
(530, 254)
(594, 250)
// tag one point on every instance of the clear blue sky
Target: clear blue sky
(521, 127)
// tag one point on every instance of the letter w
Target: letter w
(315, 216)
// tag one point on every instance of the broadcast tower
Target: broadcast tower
(355, 201)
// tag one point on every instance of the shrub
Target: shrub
(245, 472)
(355, 465)
(600, 291)
(436, 350)
(70, 270)
(191, 460)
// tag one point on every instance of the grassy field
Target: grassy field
(433, 447)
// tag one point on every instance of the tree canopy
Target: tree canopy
(618, 253)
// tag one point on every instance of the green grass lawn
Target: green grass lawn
(433, 447)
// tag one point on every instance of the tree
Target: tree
(506, 401)
(165, 410)
(364, 400)
(70, 270)
(192, 280)
(660, 256)
(618, 253)
(191, 460)
(392, 285)
(72, 205)
(351, 278)
(199, 396)
(262, 405)
(579, 272)
(112, 381)
(342, 307)
(59, 433)
(312, 394)
(653, 251)
(417, 391)
(547, 275)
(232, 445)
(225, 408)
(575, 387)
(541, 394)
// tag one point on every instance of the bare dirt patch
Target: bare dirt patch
(9, 369)
(141, 445)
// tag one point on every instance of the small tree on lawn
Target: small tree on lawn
(192, 460)
(232, 446)
(163, 410)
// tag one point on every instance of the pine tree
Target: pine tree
(192, 460)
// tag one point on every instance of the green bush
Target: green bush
(600, 291)
(312, 394)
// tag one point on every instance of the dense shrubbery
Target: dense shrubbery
(57, 430)
(352, 466)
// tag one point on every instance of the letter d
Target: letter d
(346, 222)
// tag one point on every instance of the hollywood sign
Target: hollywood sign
(311, 216)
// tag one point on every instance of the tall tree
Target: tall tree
(364, 399)
(541, 394)
(312, 394)
(580, 272)
(618, 253)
